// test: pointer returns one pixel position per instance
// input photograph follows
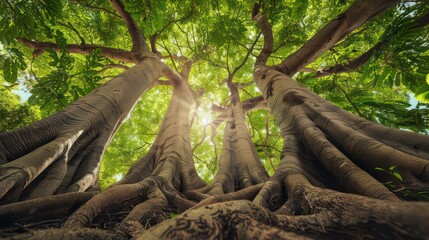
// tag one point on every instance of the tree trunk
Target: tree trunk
(326, 148)
(62, 153)
(239, 166)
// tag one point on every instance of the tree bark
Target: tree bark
(239, 166)
(62, 153)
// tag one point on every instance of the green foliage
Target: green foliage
(222, 29)
(298, 10)
(49, 92)
(11, 60)
(22, 17)
(135, 136)
(13, 113)
(422, 93)
(60, 87)
(396, 185)
(392, 172)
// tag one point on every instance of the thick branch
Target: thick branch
(114, 53)
(266, 30)
(354, 64)
(248, 105)
(337, 29)
(249, 51)
(254, 103)
(137, 38)
(351, 65)
(153, 43)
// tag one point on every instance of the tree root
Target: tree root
(57, 206)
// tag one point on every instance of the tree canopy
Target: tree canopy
(60, 51)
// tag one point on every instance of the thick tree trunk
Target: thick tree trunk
(62, 153)
(327, 147)
(239, 166)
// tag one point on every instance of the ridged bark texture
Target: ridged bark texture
(62, 152)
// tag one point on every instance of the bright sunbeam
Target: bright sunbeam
(205, 120)
(204, 114)
(118, 176)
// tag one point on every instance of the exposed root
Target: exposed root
(58, 206)
(81, 233)
(272, 195)
(248, 193)
(326, 214)
(113, 199)
(145, 215)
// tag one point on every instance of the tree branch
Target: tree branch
(137, 38)
(354, 64)
(337, 29)
(254, 103)
(71, 27)
(250, 104)
(334, 82)
(114, 65)
(95, 7)
(249, 51)
(266, 30)
(114, 53)
(153, 44)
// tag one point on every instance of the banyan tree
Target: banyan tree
(328, 77)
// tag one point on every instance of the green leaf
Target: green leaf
(422, 93)
(389, 184)
(80, 91)
(379, 169)
(423, 193)
(10, 71)
(33, 100)
(299, 9)
(398, 176)
(392, 167)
